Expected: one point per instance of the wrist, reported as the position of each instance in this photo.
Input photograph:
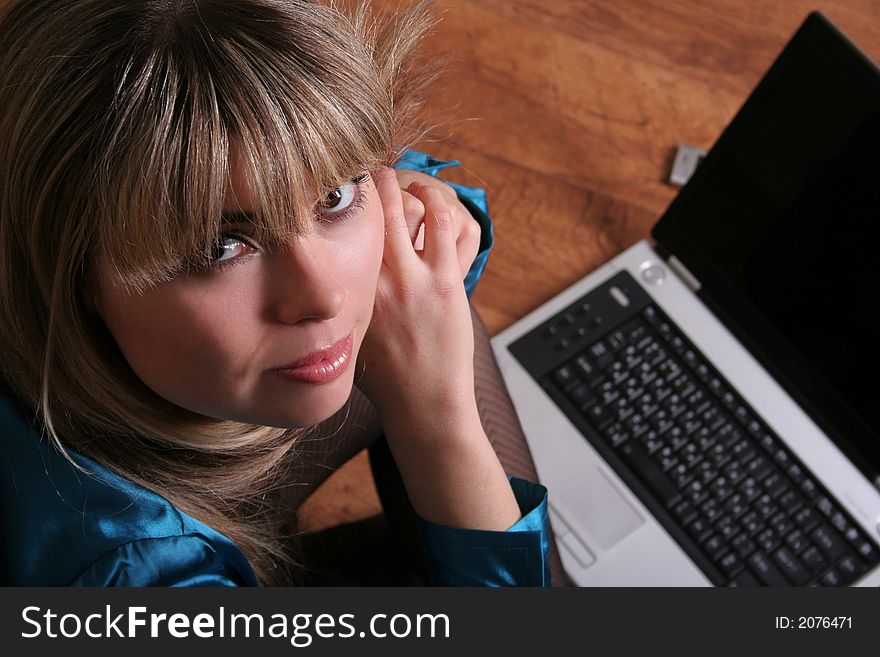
(442, 425)
(453, 477)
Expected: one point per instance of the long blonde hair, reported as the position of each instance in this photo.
(115, 128)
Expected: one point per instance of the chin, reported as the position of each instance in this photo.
(311, 412)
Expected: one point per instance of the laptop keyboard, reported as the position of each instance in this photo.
(721, 483)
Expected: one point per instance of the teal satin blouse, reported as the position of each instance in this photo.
(60, 526)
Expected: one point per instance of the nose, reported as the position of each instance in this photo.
(305, 282)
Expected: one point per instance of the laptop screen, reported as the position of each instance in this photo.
(781, 226)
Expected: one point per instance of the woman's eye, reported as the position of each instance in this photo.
(229, 248)
(339, 199)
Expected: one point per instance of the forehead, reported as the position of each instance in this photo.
(239, 195)
(240, 191)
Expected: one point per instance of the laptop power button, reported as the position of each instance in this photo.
(652, 272)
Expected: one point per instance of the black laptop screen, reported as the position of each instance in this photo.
(781, 224)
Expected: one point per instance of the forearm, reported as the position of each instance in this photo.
(452, 474)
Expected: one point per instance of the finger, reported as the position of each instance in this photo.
(407, 176)
(414, 210)
(440, 252)
(398, 245)
(468, 244)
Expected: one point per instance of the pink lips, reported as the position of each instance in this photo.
(321, 366)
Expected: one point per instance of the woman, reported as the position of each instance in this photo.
(203, 250)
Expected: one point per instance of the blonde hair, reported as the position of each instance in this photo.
(115, 129)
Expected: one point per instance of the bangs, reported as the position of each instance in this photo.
(287, 94)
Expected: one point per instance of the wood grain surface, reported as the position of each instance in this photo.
(568, 112)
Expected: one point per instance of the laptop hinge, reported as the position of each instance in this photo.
(689, 279)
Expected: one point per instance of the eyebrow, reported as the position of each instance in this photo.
(237, 217)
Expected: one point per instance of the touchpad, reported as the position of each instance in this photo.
(591, 502)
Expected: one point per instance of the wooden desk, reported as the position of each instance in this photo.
(569, 112)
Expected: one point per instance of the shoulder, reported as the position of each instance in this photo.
(62, 526)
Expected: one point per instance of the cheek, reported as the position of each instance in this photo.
(361, 257)
(172, 339)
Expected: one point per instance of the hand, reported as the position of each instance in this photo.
(466, 228)
(417, 356)
(418, 362)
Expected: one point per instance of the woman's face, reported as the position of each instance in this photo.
(222, 342)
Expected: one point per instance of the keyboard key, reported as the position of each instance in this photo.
(728, 399)
(758, 468)
(704, 373)
(791, 566)
(587, 370)
(565, 376)
(685, 512)
(825, 505)
(700, 529)
(851, 567)
(743, 451)
(832, 578)
(678, 344)
(602, 354)
(730, 565)
(810, 488)
(765, 506)
(721, 488)
(653, 443)
(851, 534)
(752, 523)
(766, 539)
(728, 434)
(599, 416)
(714, 546)
(711, 510)
(617, 340)
(634, 331)
(782, 458)
(648, 471)
(667, 463)
(790, 501)
(748, 488)
(781, 524)
(736, 505)
(867, 551)
(797, 541)
(806, 518)
(768, 443)
(839, 522)
(743, 545)
(616, 435)
(814, 560)
(712, 418)
(681, 476)
(733, 471)
(754, 427)
(716, 386)
(741, 413)
(775, 484)
(582, 396)
(766, 571)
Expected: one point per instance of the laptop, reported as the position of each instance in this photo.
(705, 408)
